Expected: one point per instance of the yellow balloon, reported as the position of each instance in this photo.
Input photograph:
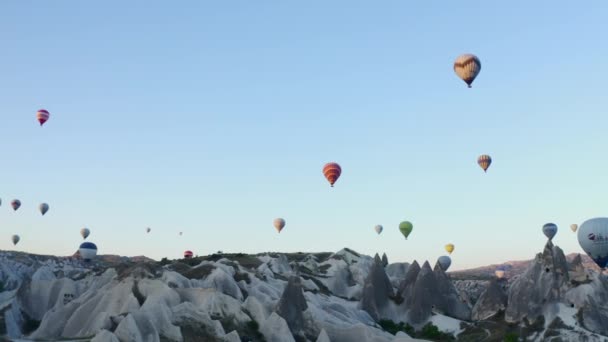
(449, 248)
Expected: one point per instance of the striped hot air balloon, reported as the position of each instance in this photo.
(188, 254)
(484, 161)
(42, 115)
(332, 172)
(16, 204)
(467, 67)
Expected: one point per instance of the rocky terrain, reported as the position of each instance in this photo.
(342, 296)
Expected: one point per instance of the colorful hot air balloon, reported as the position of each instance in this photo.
(467, 67)
(148, 230)
(15, 204)
(188, 254)
(42, 115)
(85, 232)
(43, 208)
(593, 238)
(15, 238)
(406, 228)
(484, 161)
(444, 262)
(332, 172)
(88, 251)
(449, 248)
(378, 229)
(574, 227)
(550, 229)
(278, 224)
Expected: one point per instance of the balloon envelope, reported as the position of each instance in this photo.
(332, 172)
(550, 229)
(148, 230)
(593, 238)
(467, 67)
(484, 162)
(278, 224)
(42, 115)
(188, 254)
(85, 232)
(499, 273)
(15, 204)
(406, 228)
(15, 238)
(444, 262)
(378, 229)
(43, 208)
(574, 227)
(88, 250)
(449, 248)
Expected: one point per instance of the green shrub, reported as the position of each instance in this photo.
(511, 337)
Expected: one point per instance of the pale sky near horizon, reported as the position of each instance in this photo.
(215, 117)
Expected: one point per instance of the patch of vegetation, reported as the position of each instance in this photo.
(429, 331)
(394, 328)
(138, 295)
(238, 276)
(199, 272)
(252, 329)
(511, 337)
(323, 268)
(164, 261)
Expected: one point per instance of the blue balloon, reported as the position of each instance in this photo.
(87, 250)
(593, 238)
(550, 229)
(444, 262)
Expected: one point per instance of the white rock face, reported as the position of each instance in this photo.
(178, 302)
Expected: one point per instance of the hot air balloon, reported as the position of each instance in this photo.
(593, 238)
(0, 201)
(449, 248)
(550, 229)
(15, 204)
(484, 161)
(43, 208)
(378, 229)
(467, 67)
(148, 230)
(180, 233)
(279, 224)
(188, 254)
(88, 251)
(500, 273)
(15, 239)
(574, 227)
(406, 228)
(444, 262)
(332, 172)
(42, 115)
(85, 232)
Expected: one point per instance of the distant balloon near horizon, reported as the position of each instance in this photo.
(550, 229)
(16, 204)
(574, 227)
(279, 224)
(444, 262)
(43, 208)
(332, 172)
(593, 239)
(43, 116)
(484, 161)
(406, 228)
(188, 254)
(88, 251)
(449, 248)
(180, 233)
(467, 67)
(148, 230)
(15, 238)
(84, 232)
(499, 273)
(378, 228)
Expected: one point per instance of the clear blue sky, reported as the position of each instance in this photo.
(215, 117)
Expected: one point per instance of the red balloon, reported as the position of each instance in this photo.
(188, 254)
(332, 172)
